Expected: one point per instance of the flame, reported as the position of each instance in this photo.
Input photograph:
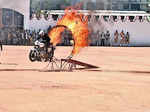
(77, 23)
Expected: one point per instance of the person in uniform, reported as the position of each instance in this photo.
(122, 38)
(44, 38)
(116, 35)
(107, 36)
(127, 38)
(102, 39)
(1, 45)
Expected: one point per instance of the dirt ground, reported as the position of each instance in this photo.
(121, 84)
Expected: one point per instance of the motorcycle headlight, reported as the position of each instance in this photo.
(36, 42)
(41, 44)
(36, 47)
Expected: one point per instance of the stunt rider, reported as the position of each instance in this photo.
(44, 38)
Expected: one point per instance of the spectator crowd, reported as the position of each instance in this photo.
(28, 37)
(108, 39)
(18, 37)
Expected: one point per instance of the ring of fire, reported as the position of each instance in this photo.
(77, 23)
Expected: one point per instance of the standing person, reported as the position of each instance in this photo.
(102, 39)
(127, 38)
(26, 38)
(1, 45)
(11, 38)
(107, 35)
(70, 38)
(122, 37)
(64, 37)
(8, 38)
(116, 35)
(97, 38)
(22, 38)
(49, 28)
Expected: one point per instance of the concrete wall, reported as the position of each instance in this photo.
(22, 6)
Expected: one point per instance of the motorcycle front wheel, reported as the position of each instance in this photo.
(32, 56)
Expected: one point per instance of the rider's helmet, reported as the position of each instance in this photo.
(41, 32)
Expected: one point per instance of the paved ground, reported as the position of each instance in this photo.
(121, 84)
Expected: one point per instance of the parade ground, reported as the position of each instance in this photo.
(120, 84)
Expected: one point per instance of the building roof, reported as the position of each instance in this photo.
(104, 12)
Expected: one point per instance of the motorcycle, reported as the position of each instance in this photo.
(41, 53)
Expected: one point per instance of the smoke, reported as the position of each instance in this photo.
(95, 23)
